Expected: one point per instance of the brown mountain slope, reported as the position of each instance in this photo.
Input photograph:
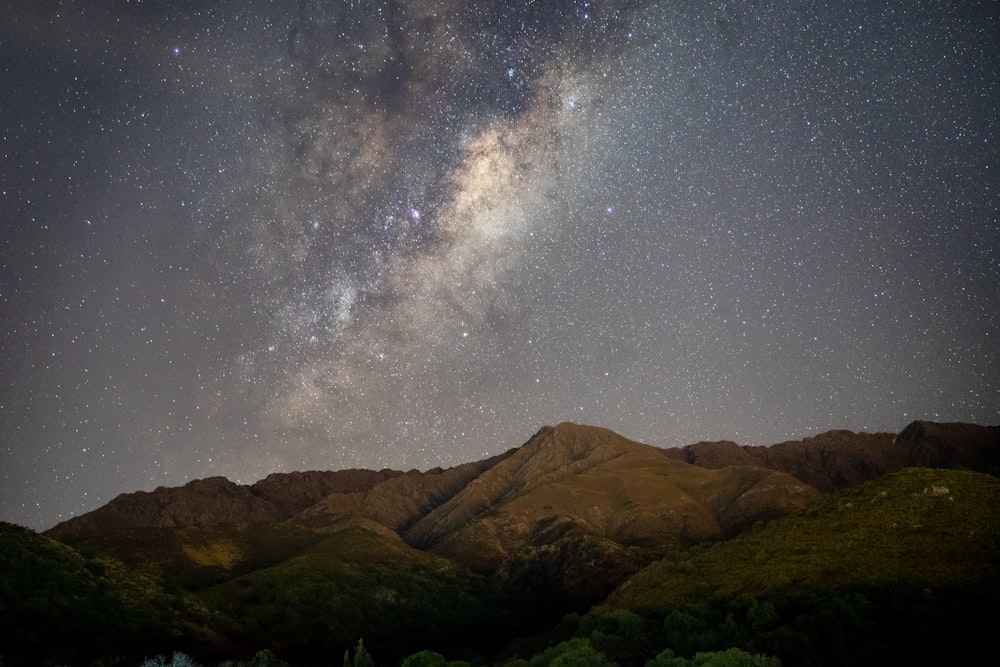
(398, 501)
(828, 461)
(217, 500)
(839, 459)
(211, 529)
(575, 509)
(586, 484)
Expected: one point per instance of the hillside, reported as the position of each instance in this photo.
(96, 605)
(903, 568)
(861, 536)
(359, 582)
(828, 461)
(807, 550)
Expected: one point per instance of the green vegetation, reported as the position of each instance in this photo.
(57, 605)
(198, 556)
(179, 659)
(360, 583)
(733, 657)
(919, 527)
(361, 656)
(907, 566)
(430, 659)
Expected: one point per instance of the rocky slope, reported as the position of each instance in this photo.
(278, 497)
(578, 509)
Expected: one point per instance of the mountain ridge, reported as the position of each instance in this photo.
(306, 562)
(401, 500)
(574, 511)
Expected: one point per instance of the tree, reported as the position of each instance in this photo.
(732, 657)
(179, 659)
(576, 652)
(425, 659)
(361, 656)
(265, 658)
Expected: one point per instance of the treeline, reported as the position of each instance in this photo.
(888, 624)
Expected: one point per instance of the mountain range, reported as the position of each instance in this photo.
(471, 558)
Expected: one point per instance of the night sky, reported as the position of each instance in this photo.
(241, 238)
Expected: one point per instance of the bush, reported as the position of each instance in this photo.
(573, 653)
(177, 660)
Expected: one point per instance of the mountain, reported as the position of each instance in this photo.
(578, 508)
(218, 500)
(574, 511)
(838, 459)
(466, 558)
(398, 500)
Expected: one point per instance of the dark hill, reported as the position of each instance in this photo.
(935, 445)
(574, 511)
(571, 495)
(59, 606)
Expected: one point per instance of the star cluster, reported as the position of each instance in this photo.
(257, 237)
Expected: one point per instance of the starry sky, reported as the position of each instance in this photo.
(239, 238)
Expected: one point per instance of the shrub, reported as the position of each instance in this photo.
(177, 660)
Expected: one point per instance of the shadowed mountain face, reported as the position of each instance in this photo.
(574, 511)
(933, 445)
(829, 461)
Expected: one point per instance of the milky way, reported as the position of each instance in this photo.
(257, 237)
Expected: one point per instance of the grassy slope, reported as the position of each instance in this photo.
(906, 567)
(920, 526)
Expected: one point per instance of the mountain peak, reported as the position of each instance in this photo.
(569, 448)
(573, 485)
